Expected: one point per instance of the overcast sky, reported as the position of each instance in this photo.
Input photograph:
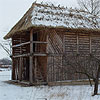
(12, 10)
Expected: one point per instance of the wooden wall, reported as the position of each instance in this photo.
(23, 58)
(61, 44)
(20, 64)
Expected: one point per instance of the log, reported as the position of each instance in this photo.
(31, 59)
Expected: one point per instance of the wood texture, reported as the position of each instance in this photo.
(43, 54)
(31, 58)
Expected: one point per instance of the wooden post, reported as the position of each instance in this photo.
(13, 66)
(90, 45)
(31, 58)
(20, 63)
(13, 70)
(20, 69)
(35, 69)
(64, 44)
(77, 43)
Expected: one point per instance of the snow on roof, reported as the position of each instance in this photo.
(55, 16)
(59, 16)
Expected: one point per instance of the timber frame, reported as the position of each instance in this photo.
(39, 55)
(24, 52)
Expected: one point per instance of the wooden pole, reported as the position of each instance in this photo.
(90, 45)
(31, 58)
(13, 66)
(13, 70)
(20, 63)
(35, 69)
(77, 43)
(20, 69)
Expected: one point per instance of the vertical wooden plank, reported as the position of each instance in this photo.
(20, 69)
(35, 68)
(62, 72)
(90, 45)
(20, 62)
(53, 72)
(63, 43)
(31, 58)
(47, 60)
(48, 69)
(13, 69)
(77, 43)
(13, 65)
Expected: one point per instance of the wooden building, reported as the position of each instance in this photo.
(46, 33)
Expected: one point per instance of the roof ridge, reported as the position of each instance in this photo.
(34, 3)
(49, 5)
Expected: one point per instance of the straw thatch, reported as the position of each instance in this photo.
(44, 15)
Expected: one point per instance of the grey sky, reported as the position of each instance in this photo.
(12, 10)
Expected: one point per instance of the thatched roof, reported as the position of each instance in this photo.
(51, 16)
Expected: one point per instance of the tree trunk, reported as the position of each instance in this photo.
(96, 87)
(96, 82)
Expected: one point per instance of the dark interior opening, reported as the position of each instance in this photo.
(35, 38)
(27, 68)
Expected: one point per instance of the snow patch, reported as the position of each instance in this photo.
(13, 92)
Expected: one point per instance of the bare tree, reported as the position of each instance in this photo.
(88, 65)
(91, 6)
(6, 61)
(6, 46)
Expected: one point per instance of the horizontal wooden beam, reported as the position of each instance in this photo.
(18, 45)
(23, 55)
(22, 44)
(34, 54)
(39, 54)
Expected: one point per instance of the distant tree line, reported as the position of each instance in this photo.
(5, 61)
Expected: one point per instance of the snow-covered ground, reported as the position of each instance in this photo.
(13, 92)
